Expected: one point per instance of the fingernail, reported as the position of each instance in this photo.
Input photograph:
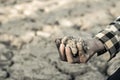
(69, 55)
(62, 51)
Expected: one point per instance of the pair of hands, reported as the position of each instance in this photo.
(74, 50)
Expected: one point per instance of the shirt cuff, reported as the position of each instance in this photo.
(109, 37)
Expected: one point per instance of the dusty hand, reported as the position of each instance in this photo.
(74, 50)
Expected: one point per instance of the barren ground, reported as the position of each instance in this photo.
(31, 26)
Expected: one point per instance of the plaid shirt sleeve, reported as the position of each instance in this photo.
(110, 37)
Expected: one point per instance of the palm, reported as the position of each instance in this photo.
(73, 50)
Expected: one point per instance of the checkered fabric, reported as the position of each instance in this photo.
(110, 37)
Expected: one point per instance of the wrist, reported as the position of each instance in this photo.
(99, 45)
(95, 45)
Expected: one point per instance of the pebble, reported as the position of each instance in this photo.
(65, 23)
(42, 34)
(3, 74)
(28, 37)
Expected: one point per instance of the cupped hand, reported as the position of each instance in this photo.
(74, 50)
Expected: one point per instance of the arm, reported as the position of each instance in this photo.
(110, 37)
(106, 40)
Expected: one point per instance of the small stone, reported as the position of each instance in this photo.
(3, 74)
(17, 43)
(48, 29)
(43, 34)
(11, 40)
(65, 23)
(28, 37)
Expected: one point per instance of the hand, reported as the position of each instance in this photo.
(75, 50)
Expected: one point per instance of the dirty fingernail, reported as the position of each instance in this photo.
(69, 55)
(62, 51)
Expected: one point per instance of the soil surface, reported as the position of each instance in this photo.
(28, 28)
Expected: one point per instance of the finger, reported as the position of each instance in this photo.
(76, 59)
(68, 54)
(62, 52)
(61, 49)
(58, 42)
(64, 40)
(90, 56)
(83, 59)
